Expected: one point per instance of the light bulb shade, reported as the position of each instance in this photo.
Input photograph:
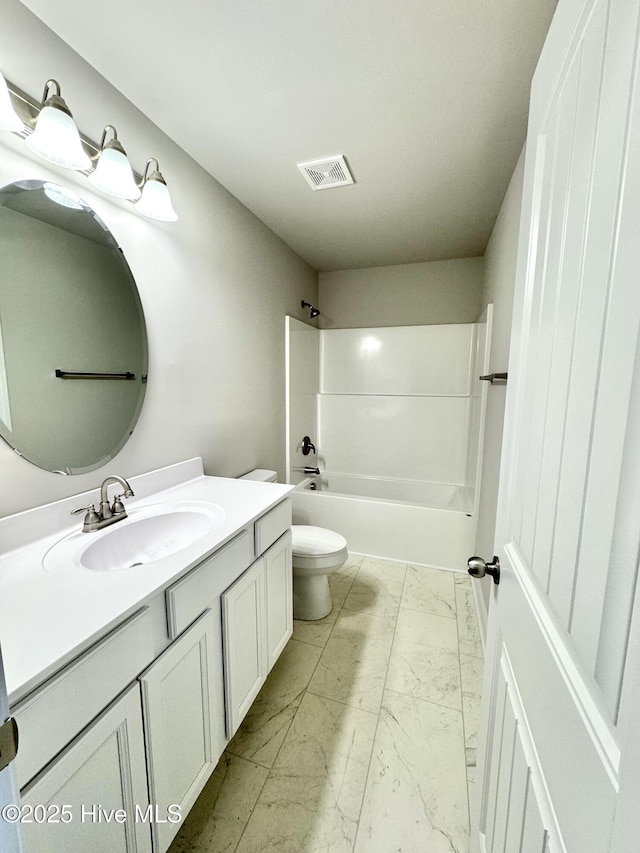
(155, 201)
(113, 174)
(57, 140)
(9, 118)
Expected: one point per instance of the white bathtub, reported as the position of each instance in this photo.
(415, 522)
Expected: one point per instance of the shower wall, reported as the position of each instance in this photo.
(302, 386)
(399, 402)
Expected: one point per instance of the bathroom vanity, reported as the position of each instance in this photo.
(126, 685)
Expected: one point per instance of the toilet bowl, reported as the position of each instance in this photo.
(316, 553)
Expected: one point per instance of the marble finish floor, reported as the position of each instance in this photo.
(363, 737)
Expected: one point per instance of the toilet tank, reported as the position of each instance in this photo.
(261, 474)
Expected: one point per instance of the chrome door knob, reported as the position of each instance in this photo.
(478, 568)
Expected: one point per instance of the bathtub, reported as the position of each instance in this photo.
(415, 522)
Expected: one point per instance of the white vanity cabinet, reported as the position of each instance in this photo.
(181, 691)
(89, 796)
(183, 708)
(257, 618)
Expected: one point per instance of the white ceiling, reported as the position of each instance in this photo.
(427, 99)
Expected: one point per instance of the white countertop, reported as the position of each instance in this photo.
(46, 618)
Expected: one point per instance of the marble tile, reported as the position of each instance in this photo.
(462, 578)
(339, 587)
(424, 658)
(416, 795)
(377, 588)
(312, 798)
(471, 672)
(261, 734)
(317, 631)
(220, 814)
(353, 665)
(350, 568)
(390, 570)
(426, 628)
(430, 591)
(468, 633)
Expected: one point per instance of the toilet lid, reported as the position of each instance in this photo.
(311, 541)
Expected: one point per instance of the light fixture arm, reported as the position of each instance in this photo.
(55, 100)
(109, 127)
(155, 175)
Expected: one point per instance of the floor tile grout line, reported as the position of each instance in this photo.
(275, 759)
(375, 734)
(464, 723)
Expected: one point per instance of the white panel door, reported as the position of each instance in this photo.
(559, 764)
(560, 767)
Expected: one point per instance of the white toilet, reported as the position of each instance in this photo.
(316, 552)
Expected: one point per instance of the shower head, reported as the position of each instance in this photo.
(313, 312)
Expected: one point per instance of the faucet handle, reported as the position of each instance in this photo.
(91, 519)
(117, 508)
(88, 509)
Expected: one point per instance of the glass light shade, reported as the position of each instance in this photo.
(9, 118)
(155, 201)
(113, 174)
(57, 140)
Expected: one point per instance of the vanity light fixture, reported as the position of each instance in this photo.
(56, 136)
(113, 173)
(48, 129)
(155, 201)
(9, 118)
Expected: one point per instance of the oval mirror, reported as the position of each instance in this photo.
(73, 344)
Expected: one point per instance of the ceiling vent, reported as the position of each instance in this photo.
(327, 173)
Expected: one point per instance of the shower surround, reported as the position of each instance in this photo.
(396, 414)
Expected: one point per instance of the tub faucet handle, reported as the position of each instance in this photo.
(307, 446)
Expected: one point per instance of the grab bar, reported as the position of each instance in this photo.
(75, 374)
(495, 377)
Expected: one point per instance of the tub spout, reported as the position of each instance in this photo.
(308, 470)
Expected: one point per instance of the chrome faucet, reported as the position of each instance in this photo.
(108, 513)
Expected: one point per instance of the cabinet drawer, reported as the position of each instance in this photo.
(272, 525)
(191, 595)
(52, 716)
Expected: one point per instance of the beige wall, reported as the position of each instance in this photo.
(215, 288)
(403, 295)
(500, 268)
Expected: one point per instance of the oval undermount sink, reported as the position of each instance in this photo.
(147, 534)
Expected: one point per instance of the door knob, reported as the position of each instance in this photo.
(478, 568)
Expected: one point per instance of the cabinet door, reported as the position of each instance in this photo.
(183, 706)
(244, 643)
(100, 779)
(279, 593)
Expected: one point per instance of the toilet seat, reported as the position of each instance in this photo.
(317, 547)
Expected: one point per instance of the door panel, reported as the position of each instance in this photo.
(563, 636)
